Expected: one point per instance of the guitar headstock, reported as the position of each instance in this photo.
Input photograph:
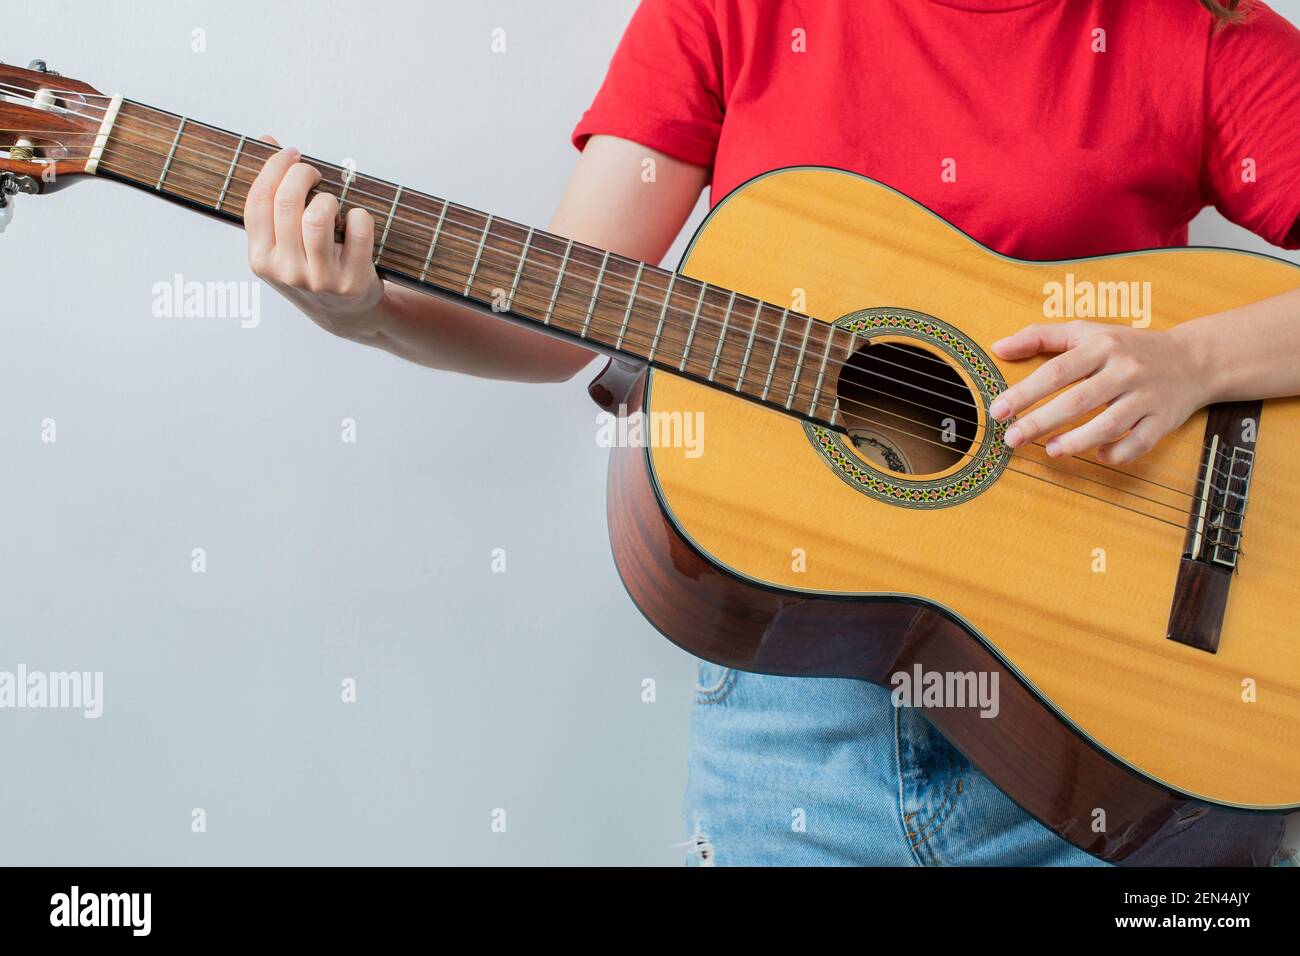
(48, 125)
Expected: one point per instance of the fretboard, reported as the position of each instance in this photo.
(612, 303)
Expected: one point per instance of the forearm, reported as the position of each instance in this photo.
(609, 204)
(442, 334)
(1251, 352)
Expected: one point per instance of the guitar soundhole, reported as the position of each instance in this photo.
(907, 409)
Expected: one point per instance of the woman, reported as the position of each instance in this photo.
(1045, 129)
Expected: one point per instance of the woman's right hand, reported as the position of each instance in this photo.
(291, 246)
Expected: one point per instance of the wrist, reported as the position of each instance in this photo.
(369, 325)
(364, 323)
(1206, 375)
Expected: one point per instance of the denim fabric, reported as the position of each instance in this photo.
(820, 772)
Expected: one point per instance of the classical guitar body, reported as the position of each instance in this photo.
(1148, 667)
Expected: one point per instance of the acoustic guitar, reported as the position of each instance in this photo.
(854, 510)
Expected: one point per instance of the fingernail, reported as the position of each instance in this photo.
(998, 409)
(1053, 448)
(1012, 437)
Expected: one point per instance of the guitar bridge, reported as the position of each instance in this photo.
(1220, 513)
(1212, 548)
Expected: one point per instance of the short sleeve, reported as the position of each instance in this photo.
(664, 87)
(1251, 165)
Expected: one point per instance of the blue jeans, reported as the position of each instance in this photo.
(819, 772)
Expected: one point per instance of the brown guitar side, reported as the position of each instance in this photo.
(1050, 770)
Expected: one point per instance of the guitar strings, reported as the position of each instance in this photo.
(968, 455)
(379, 213)
(28, 96)
(976, 424)
(633, 333)
(193, 128)
(491, 244)
(757, 312)
(948, 447)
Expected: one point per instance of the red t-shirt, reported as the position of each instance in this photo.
(1043, 128)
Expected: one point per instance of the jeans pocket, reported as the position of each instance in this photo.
(713, 683)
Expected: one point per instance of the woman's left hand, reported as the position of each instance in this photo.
(1145, 383)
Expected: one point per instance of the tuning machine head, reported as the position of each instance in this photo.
(11, 184)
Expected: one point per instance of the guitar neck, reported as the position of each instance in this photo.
(609, 302)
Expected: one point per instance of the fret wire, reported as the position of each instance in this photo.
(243, 147)
(437, 230)
(171, 154)
(776, 353)
(230, 175)
(722, 336)
(749, 346)
(478, 255)
(555, 291)
(631, 300)
(387, 225)
(596, 292)
(690, 335)
(663, 314)
(523, 257)
(349, 176)
(821, 374)
(776, 349)
(798, 368)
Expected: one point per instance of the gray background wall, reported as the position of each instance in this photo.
(326, 560)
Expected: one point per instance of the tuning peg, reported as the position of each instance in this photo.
(38, 66)
(12, 185)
